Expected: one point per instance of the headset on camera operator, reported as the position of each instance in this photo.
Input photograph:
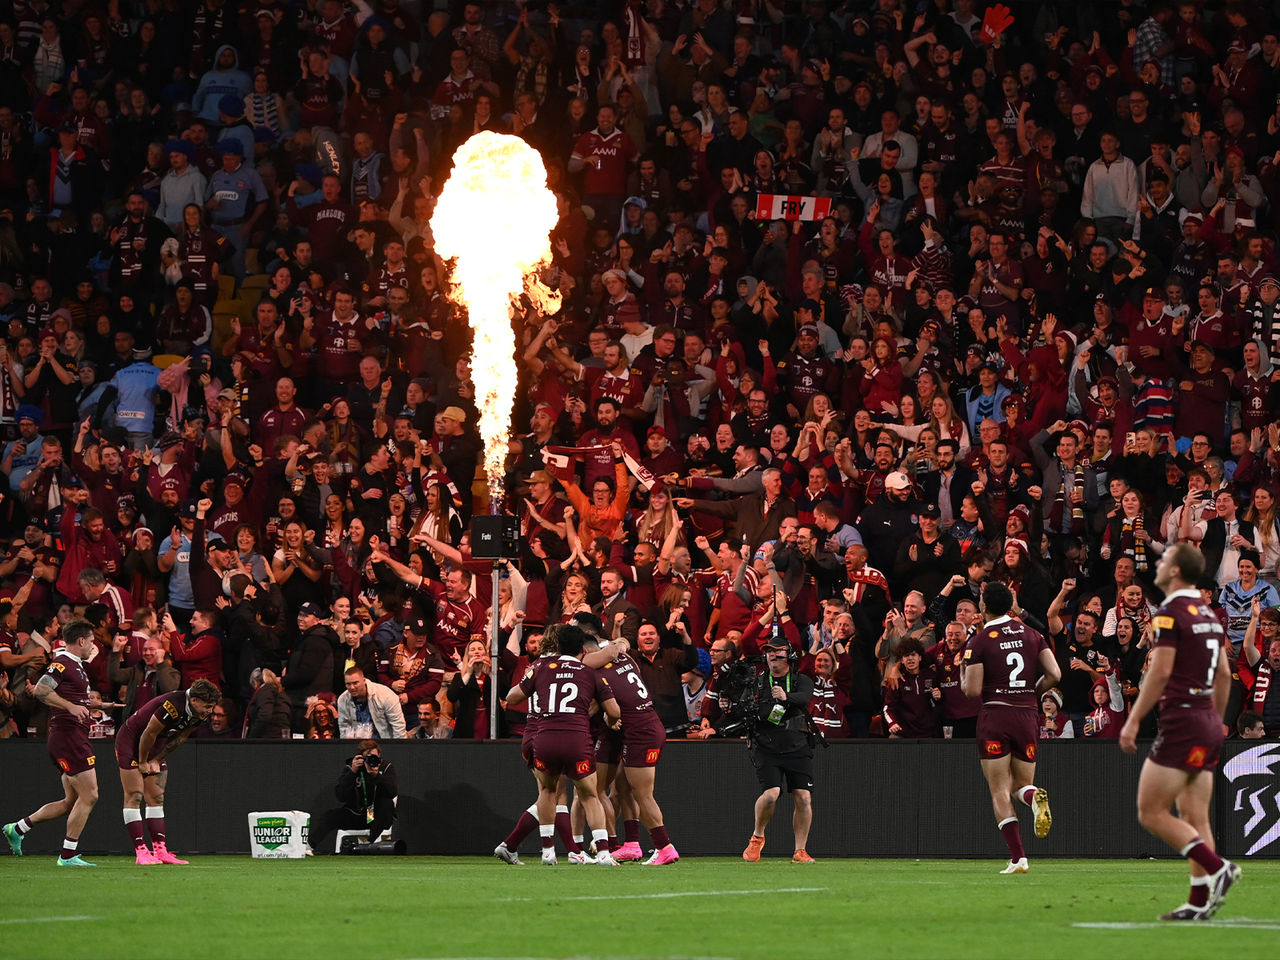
(774, 705)
(367, 790)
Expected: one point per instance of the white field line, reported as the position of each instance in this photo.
(672, 896)
(47, 919)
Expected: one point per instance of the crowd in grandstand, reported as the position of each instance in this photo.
(1031, 343)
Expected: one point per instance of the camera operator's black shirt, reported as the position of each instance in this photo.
(361, 791)
(792, 734)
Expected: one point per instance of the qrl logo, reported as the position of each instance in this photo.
(1031, 752)
(1195, 758)
(1259, 796)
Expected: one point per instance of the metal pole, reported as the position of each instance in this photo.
(494, 656)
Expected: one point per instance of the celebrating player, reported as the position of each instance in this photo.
(642, 739)
(507, 850)
(64, 689)
(1000, 666)
(153, 732)
(560, 689)
(1190, 678)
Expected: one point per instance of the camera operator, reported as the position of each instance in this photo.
(367, 790)
(781, 747)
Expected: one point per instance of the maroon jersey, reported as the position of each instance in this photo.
(615, 151)
(1185, 623)
(176, 718)
(455, 622)
(71, 683)
(623, 679)
(1009, 652)
(340, 348)
(560, 691)
(275, 423)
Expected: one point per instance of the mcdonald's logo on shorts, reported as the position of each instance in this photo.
(651, 756)
(993, 747)
(539, 764)
(584, 766)
(66, 767)
(1196, 757)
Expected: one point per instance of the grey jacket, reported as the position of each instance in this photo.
(384, 709)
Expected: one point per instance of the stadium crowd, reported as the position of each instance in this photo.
(1030, 344)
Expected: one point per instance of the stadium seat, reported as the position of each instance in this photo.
(252, 261)
(226, 286)
(255, 282)
(166, 360)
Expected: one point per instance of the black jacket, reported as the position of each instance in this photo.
(1214, 543)
(269, 715)
(310, 670)
(358, 792)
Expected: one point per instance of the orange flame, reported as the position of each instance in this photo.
(494, 219)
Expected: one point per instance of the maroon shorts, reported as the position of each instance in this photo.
(127, 756)
(526, 745)
(69, 749)
(1188, 738)
(643, 740)
(608, 747)
(567, 753)
(1008, 730)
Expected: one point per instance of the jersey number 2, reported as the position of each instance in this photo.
(1014, 660)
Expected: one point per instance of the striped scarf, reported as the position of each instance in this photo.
(264, 111)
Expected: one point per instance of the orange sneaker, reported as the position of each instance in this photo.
(801, 856)
(754, 846)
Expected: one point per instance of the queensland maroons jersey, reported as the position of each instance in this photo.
(1009, 652)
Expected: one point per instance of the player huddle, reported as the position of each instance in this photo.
(591, 723)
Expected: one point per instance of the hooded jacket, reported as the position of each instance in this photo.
(215, 84)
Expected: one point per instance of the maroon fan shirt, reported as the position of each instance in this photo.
(1009, 652)
(560, 691)
(455, 622)
(1185, 623)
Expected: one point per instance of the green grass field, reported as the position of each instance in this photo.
(224, 908)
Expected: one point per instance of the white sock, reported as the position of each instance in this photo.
(1026, 794)
(155, 813)
(132, 814)
(533, 810)
(601, 839)
(577, 838)
(546, 829)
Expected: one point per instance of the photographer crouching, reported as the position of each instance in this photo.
(367, 790)
(781, 746)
